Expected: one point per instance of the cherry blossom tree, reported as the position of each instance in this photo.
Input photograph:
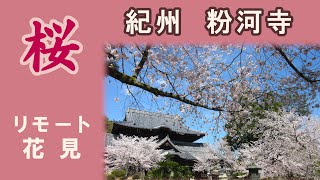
(224, 156)
(230, 158)
(289, 146)
(216, 79)
(232, 79)
(133, 153)
(205, 165)
(241, 127)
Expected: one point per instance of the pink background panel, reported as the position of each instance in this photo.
(59, 96)
(305, 27)
(63, 97)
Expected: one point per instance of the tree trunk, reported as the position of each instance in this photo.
(127, 169)
(142, 175)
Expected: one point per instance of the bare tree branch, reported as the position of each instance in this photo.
(133, 81)
(286, 58)
(135, 99)
(141, 63)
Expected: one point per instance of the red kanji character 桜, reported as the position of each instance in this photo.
(49, 47)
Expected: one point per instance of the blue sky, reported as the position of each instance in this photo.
(115, 110)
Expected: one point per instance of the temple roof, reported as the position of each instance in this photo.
(190, 151)
(179, 152)
(151, 120)
(185, 150)
(198, 150)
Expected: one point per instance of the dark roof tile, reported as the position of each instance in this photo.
(152, 120)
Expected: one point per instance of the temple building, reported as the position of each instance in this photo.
(174, 137)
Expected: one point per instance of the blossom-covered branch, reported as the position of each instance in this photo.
(197, 79)
(286, 58)
(133, 81)
(131, 152)
(289, 147)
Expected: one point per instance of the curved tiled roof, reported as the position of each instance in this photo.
(189, 151)
(198, 150)
(150, 120)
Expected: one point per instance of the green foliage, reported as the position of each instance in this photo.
(238, 173)
(317, 169)
(136, 176)
(119, 173)
(245, 129)
(108, 125)
(110, 177)
(169, 169)
(299, 102)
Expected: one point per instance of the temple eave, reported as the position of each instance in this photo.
(185, 136)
